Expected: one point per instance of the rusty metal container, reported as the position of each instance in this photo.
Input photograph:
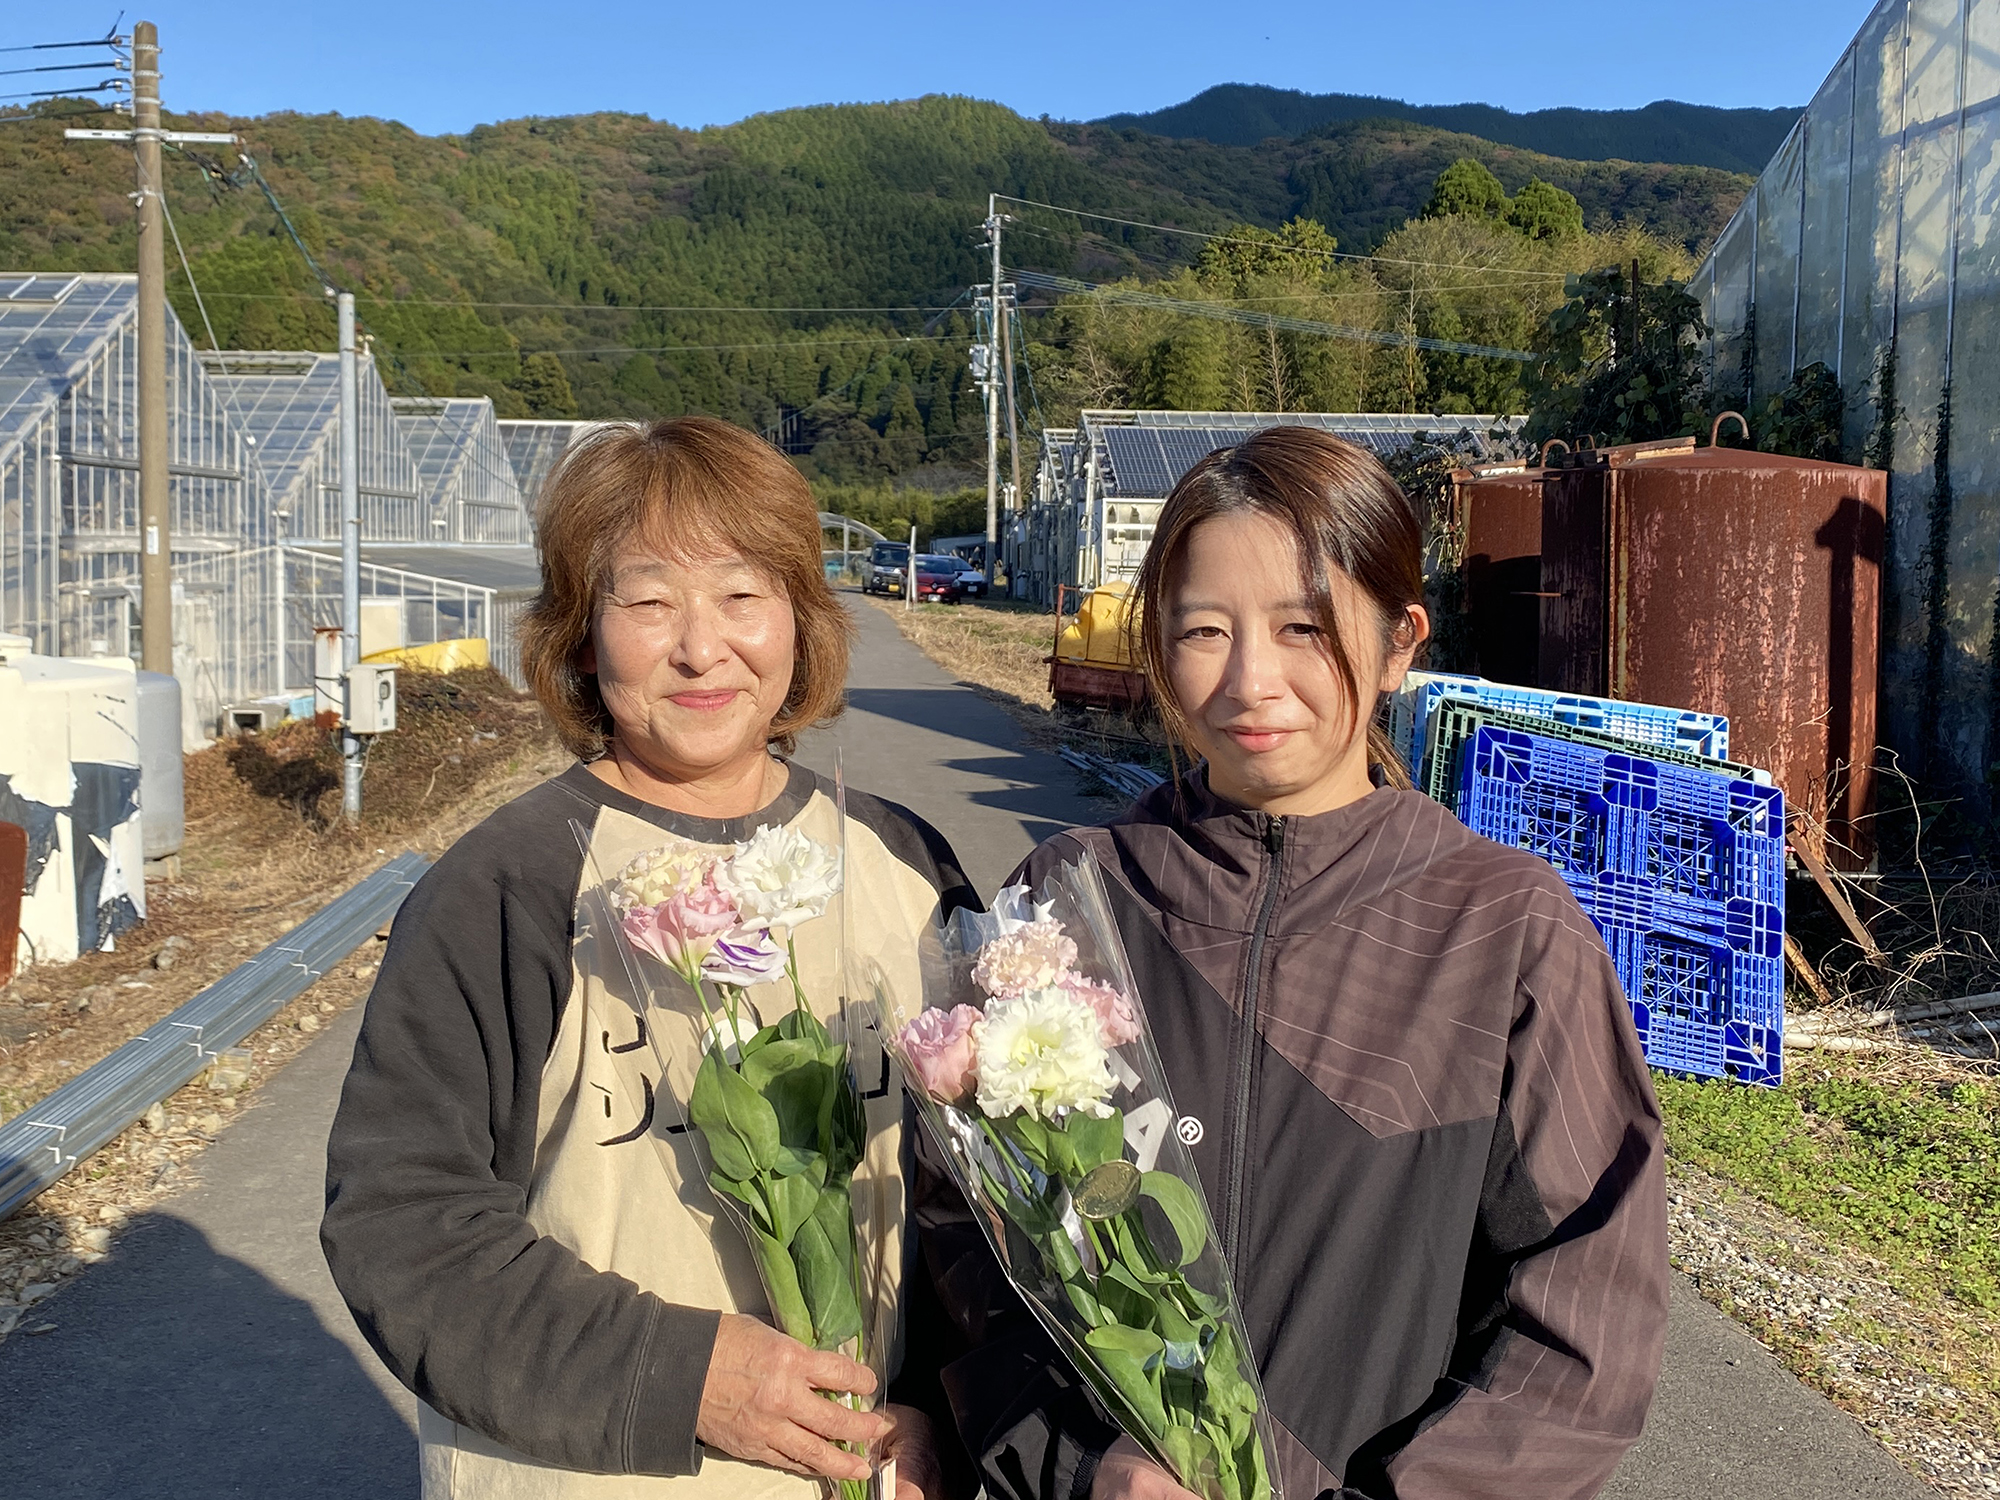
(1499, 516)
(1732, 582)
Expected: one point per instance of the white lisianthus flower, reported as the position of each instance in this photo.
(661, 874)
(1040, 1054)
(780, 878)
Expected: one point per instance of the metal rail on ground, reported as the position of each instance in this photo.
(43, 1142)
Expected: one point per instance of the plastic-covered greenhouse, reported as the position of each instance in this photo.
(1871, 244)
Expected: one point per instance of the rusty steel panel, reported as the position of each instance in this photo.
(1500, 516)
(1576, 567)
(13, 885)
(1748, 584)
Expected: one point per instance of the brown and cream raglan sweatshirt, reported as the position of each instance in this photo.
(514, 1212)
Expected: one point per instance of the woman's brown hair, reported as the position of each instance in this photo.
(685, 486)
(1343, 510)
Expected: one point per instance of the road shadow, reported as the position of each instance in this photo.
(191, 1376)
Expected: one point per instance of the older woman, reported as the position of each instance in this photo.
(513, 1213)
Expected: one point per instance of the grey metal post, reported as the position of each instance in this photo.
(350, 551)
(156, 555)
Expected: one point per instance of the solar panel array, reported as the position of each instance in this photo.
(1145, 458)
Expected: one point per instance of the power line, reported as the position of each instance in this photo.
(109, 39)
(570, 307)
(1229, 239)
(887, 338)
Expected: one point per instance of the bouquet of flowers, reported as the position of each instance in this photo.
(1037, 1075)
(775, 1107)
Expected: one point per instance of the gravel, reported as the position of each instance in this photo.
(1828, 1314)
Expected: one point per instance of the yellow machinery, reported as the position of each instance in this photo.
(439, 656)
(1096, 660)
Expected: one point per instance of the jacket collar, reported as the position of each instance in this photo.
(1237, 837)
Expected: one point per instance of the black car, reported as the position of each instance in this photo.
(888, 566)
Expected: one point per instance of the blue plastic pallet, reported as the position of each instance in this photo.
(1411, 708)
(1682, 870)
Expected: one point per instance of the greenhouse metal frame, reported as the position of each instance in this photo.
(288, 405)
(470, 492)
(69, 492)
(1871, 245)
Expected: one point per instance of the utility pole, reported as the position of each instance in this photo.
(993, 222)
(156, 546)
(1013, 419)
(350, 556)
(156, 557)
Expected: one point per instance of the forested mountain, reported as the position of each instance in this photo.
(797, 267)
(1696, 135)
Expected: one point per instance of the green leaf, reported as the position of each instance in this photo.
(824, 1253)
(798, 1094)
(774, 1058)
(803, 1026)
(1031, 1135)
(792, 1201)
(1184, 1211)
(781, 1286)
(800, 1161)
(1096, 1141)
(745, 1194)
(1126, 1298)
(1191, 1456)
(757, 1043)
(738, 1127)
(1130, 1358)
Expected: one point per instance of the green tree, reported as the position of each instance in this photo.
(545, 387)
(1806, 419)
(1467, 187)
(1620, 367)
(1543, 211)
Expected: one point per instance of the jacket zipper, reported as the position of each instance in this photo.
(1246, 1052)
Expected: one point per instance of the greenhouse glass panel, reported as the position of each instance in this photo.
(1729, 303)
(1982, 53)
(1829, 129)
(1777, 269)
(290, 405)
(434, 609)
(470, 491)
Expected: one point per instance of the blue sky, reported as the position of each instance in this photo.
(447, 66)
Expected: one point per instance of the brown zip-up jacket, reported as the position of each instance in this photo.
(1427, 1137)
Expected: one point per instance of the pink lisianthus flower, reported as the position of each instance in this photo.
(1117, 1021)
(681, 931)
(940, 1049)
(1033, 956)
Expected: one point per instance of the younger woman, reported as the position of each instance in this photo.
(1400, 1052)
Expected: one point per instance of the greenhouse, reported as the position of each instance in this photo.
(469, 489)
(533, 448)
(1870, 246)
(288, 405)
(1099, 488)
(69, 493)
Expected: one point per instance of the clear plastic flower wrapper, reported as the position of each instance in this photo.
(758, 1073)
(1037, 1074)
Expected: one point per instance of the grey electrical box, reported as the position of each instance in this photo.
(371, 698)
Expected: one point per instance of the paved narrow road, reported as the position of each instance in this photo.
(211, 1357)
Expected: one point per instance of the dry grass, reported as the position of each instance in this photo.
(997, 646)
